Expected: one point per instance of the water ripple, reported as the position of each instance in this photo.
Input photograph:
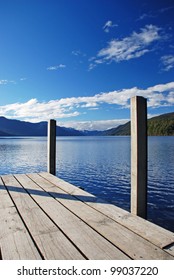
(101, 165)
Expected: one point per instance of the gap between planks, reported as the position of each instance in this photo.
(86, 239)
(49, 239)
(153, 233)
(90, 242)
(13, 232)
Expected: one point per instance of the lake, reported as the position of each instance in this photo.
(100, 165)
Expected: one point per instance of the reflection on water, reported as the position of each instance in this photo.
(161, 181)
(101, 165)
(20, 155)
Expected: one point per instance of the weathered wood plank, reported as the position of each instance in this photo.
(153, 233)
(86, 239)
(50, 240)
(15, 240)
(129, 242)
(90, 214)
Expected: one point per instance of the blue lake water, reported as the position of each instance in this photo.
(101, 165)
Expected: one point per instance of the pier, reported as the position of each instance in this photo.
(44, 217)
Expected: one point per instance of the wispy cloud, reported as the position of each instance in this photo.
(23, 79)
(8, 82)
(78, 53)
(154, 14)
(56, 67)
(158, 96)
(5, 82)
(133, 46)
(168, 62)
(79, 57)
(108, 25)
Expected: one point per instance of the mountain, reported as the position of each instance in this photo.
(121, 130)
(2, 133)
(92, 133)
(162, 125)
(64, 131)
(20, 128)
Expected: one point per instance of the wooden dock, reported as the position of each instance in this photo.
(44, 217)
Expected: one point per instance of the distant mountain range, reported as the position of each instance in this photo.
(160, 125)
(10, 127)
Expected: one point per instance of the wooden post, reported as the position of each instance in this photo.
(139, 156)
(51, 167)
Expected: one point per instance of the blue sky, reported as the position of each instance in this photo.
(80, 61)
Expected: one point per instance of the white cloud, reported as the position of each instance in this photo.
(94, 125)
(155, 14)
(89, 105)
(35, 111)
(162, 87)
(56, 67)
(5, 82)
(158, 96)
(78, 53)
(149, 116)
(134, 46)
(108, 25)
(168, 62)
(23, 79)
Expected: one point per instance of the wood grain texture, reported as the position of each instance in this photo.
(41, 228)
(15, 240)
(132, 244)
(42, 216)
(91, 243)
(149, 231)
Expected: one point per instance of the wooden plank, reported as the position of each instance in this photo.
(151, 232)
(86, 239)
(42, 229)
(129, 242)
(15, 240)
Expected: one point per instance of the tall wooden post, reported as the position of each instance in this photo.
(139, 156)
(51, 160)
